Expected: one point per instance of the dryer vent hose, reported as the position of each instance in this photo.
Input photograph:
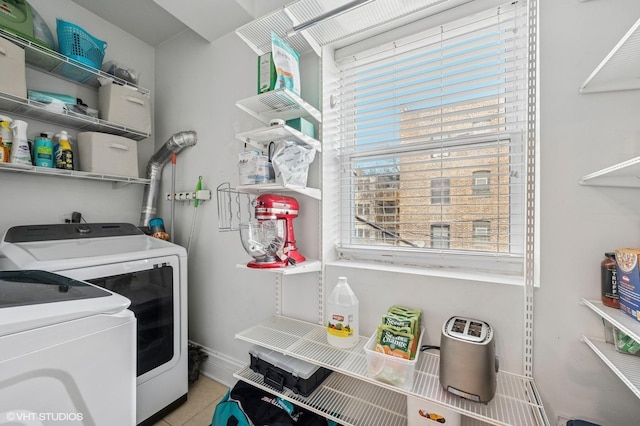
(154, 171)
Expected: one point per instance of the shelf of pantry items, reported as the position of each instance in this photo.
(309, 265)
(35, 110)
(517, 401)
(616, 317)
(259, 138)
(52, 62)
(278, 104)
(622, 175)
(260, 188)
(620, 69)
(625, 366)
(76, 174)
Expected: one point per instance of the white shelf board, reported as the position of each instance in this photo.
(620, 69)
(20, 168)
(616, 317)
(261, 188)
(262, 136)
(517, 401)
(309, 265)
(281, 104)
(625, 366)
(622, 175)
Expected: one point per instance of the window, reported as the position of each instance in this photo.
(440, 191)
(481, 232)
(423, 126)
(481, 182)
(440, 236)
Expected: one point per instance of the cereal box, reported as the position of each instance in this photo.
(628, 281)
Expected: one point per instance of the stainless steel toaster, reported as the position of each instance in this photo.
(468, 362)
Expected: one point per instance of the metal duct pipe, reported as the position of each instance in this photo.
(154, 171)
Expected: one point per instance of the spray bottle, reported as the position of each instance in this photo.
(20, 153)
(63, 152)
(343, 329)
(5, 132)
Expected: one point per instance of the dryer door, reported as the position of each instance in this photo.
(153, 286)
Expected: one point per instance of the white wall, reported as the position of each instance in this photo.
(30, 199)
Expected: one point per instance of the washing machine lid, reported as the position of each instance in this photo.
(59, 247)
(33, 298)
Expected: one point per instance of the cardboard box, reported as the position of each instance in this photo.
(628, 281)
(13, 81)
(303, 126)
(108, 154)
(126, 106)
(266, 73)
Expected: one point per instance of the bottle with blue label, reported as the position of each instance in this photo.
(43, 151)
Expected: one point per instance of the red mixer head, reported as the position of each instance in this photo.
(274, 207)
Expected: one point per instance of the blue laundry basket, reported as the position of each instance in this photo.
(76, 43)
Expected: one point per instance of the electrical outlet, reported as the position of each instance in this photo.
(64, 218)
(562, 421)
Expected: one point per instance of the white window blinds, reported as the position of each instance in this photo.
(432, 143)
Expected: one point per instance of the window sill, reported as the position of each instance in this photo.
(442, 273)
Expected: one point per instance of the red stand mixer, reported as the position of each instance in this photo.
(274, 214)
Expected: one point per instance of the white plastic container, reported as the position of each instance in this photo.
(20, 152)
(343, 329)
(108, 154)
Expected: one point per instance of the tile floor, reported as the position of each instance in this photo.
(202, 398)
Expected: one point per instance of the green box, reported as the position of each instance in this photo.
(302, 125)
(266, 73)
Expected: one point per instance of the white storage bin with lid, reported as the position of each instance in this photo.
(13, 79)
(108, 154)
(126, 106)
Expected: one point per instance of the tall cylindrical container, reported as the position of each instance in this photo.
(343, 329)
(20, 153)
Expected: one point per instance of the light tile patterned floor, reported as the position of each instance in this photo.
(202, 398)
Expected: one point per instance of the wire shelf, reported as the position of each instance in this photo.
(21, 168)
(517, 401)
(278, 104)
(35, 110)
(625, 366)
(258, 138)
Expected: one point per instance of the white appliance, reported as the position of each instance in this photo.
(150, 272)
(68, 352)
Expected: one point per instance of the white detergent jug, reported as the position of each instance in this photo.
(20, 153)
(343, 329)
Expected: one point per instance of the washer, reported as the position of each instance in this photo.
(68, 352)
(152, 273)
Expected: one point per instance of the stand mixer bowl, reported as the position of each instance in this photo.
(263, 241)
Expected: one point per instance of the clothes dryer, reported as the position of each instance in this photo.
(68, 352)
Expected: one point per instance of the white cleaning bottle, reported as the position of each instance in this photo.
(20, 153)
(342, 316)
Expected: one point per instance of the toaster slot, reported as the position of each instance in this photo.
(458, 325)
(475, 329)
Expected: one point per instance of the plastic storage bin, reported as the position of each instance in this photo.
(76, 43)
(283, 371)
(13, 79)
(126, 106)
(108, 154)
(390, 369)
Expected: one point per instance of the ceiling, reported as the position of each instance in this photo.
(155, 21)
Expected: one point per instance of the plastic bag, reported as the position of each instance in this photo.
(291, 162)
(287, 64)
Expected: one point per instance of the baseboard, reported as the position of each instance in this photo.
(219, 367)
